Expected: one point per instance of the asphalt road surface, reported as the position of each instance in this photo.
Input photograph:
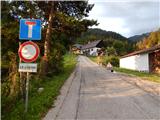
(93, 93)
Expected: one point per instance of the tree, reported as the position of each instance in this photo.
(74, 10)
(59, 17)
(111, 51)
(120, 47)
(152, 40)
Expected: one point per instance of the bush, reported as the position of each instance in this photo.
(56, 59)
(112, 59)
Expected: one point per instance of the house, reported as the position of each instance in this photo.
(143, 60)
(92, 48)
(76, 48)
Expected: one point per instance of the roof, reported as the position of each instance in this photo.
(91, 44)
(148, 50)
(78, 46)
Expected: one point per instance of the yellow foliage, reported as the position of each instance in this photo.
(152, 40)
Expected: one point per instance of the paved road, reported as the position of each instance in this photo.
(93, 93)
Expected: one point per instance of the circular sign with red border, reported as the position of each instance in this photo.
(28, 51)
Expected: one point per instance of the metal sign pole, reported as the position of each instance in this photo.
(27, 90)
(20, 74)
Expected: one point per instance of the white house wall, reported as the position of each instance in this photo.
(93, 51)
(137, 62)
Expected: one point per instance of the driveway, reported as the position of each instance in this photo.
(93, 93)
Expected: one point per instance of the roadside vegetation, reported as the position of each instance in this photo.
(40, 102)
(104, 60)
(93, 58)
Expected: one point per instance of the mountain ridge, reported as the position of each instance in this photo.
(139, 37)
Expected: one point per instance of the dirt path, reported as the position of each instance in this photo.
(93, 93)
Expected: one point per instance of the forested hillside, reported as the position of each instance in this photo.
(113, 41)
(95, 33)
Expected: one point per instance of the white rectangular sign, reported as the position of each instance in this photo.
(27, 67)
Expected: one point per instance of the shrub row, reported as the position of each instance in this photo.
(114, 60)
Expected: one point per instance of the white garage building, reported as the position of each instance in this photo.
(147, 60)
(138, 62)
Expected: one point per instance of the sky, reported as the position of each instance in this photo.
(127, 17)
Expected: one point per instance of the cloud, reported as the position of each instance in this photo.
(127, 17)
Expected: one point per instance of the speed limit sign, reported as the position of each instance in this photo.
(28, 51)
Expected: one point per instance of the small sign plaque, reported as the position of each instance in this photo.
(27, 67)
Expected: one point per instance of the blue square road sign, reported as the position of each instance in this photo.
(30, 29)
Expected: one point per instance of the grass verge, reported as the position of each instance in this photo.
(39, 103)
(146, 76)
(93, 58)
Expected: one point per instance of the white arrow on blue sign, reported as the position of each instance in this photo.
(30, 29)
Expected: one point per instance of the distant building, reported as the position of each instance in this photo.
(143, 60)
(92, 48)
(76, 48)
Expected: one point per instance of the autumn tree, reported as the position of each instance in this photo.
(152, 40)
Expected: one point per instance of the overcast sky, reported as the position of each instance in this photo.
(127, 17)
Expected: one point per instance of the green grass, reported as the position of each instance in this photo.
(146, 76)
(93, 58)
(39, 103)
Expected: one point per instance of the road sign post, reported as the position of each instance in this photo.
(30, 29)
(28, 52)
(27, 91)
